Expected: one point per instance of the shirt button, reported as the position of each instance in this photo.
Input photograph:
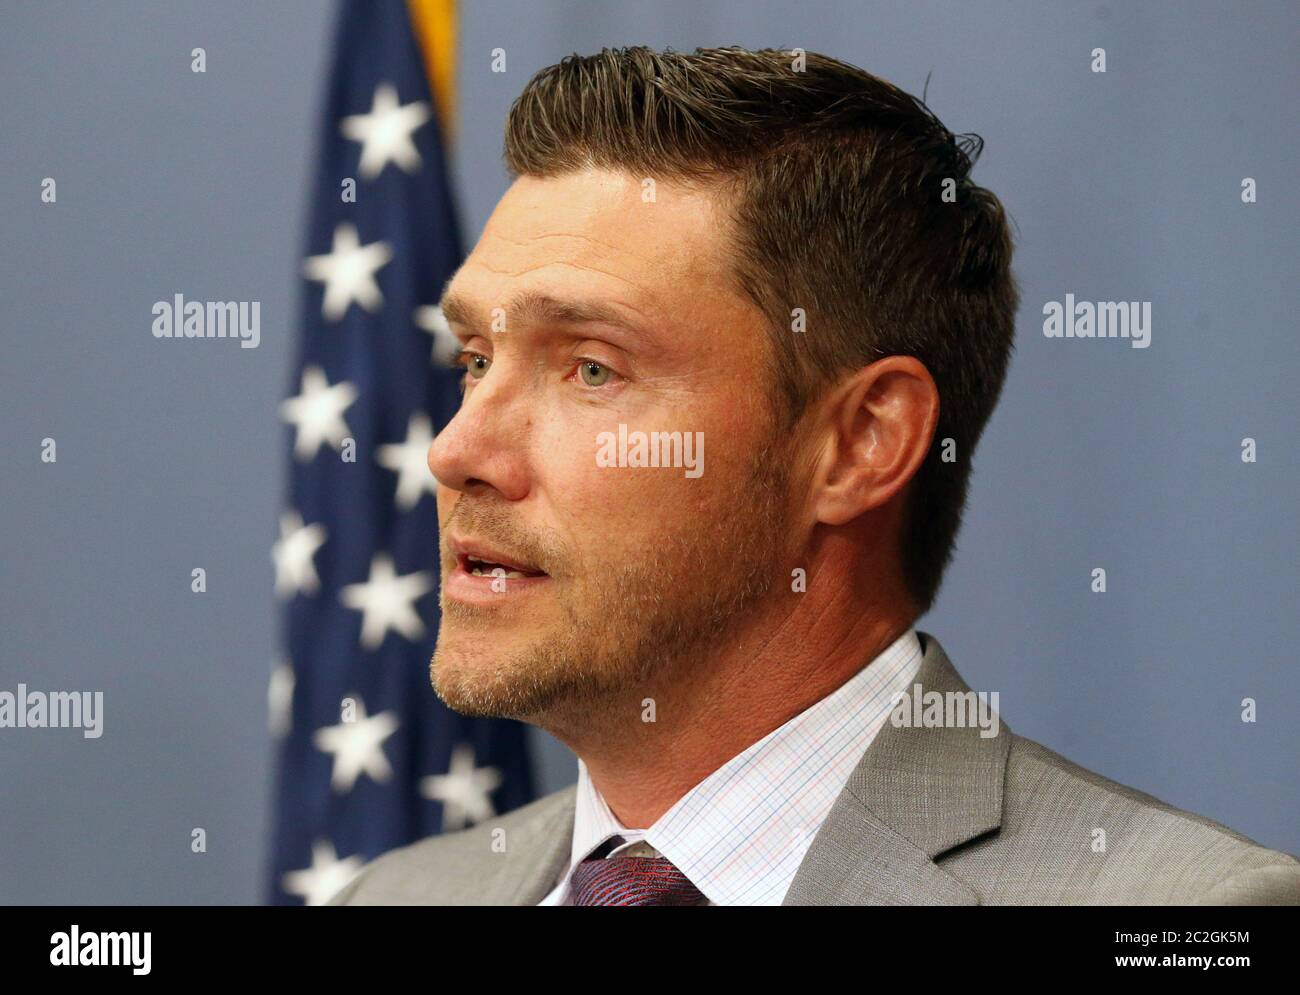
(640, 849)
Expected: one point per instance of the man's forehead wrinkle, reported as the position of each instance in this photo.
(539, 305)
(585, 236)
(640, 260)
(542, 307)
(643, 293)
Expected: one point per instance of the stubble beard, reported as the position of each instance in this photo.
(632, 624)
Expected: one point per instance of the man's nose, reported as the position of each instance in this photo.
(484, 446)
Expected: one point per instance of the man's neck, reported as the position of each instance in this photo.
(671, 733)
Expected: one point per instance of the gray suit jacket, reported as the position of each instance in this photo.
(930, 816)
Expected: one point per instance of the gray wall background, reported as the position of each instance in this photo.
(1124, 186)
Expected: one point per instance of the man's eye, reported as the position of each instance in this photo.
(476, 364)
(593, 374)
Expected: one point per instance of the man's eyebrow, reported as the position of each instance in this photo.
(535, 307)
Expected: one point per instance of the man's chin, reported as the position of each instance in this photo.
(464, 683)
(485, 679)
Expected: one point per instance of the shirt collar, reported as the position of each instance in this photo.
(741, 833)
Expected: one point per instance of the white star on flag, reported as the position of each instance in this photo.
(348, 272)
(326, 876)
(385, 133)
(464, 790)
(387, 601)
(317, 412)
(410, 461)
(446, 347)
(279, 700)
(293, 552)
(358, 747)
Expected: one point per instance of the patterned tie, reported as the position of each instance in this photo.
(632, 881)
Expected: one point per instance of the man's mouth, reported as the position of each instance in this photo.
(488, 576)
(485, 571)
(479, 567)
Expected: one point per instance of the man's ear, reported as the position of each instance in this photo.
(878, 428)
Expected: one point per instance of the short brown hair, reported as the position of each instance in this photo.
(849, 199)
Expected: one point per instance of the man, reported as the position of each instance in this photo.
(730, 339)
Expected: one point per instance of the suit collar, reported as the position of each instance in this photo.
(917, 793)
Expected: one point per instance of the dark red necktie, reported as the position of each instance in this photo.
(632, 881)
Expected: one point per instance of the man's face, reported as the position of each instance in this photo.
(627, 570)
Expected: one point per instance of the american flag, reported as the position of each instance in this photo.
(368, 757)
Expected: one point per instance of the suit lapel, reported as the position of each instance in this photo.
(916, 793)
(535, 854)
